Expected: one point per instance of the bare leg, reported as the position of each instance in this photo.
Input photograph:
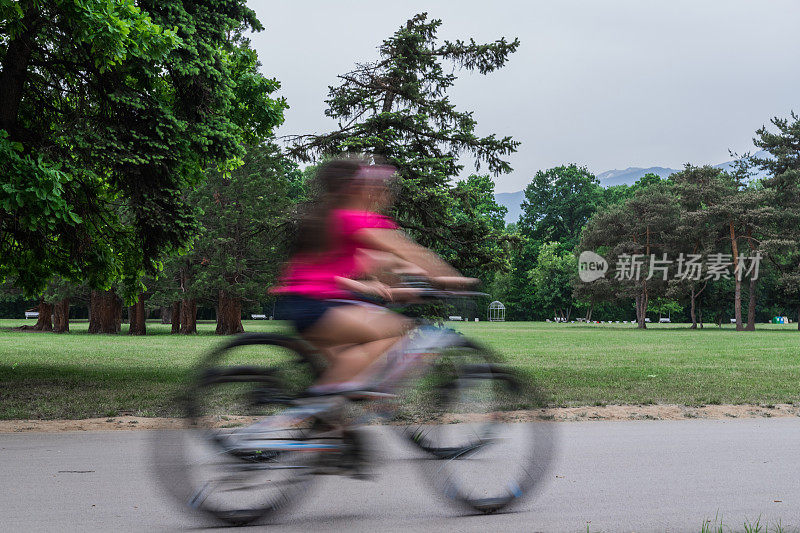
(354, 337)
(354, 360)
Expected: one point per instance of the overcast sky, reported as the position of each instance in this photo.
(605, 84)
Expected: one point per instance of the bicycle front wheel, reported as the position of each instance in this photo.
(488, 433)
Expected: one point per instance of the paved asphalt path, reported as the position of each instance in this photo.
(610, 476)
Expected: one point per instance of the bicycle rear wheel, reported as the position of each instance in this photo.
(223, 462)
(488, 435)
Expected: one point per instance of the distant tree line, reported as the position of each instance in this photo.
(701, 215)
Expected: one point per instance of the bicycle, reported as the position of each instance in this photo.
(240, 461)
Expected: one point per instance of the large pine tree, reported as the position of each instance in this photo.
(397, 109)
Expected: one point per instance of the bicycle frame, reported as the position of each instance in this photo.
(416, 352)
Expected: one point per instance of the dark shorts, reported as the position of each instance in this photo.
(304, 312)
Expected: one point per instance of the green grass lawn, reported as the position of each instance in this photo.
(76, 375)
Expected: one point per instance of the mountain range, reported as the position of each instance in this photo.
(513, 200)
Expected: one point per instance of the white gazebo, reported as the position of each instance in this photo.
(497, 312)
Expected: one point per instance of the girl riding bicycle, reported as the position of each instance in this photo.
(241, 472)
(344, 249)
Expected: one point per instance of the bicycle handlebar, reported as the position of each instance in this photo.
(436, 294)
(426, 290)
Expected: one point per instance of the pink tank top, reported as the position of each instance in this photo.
(314, 275)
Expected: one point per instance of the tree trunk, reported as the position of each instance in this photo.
(229, 314)
(643, 300)
(737, 304)
(692, 310)
(737, 293)
(61, 316)
(105, 312)
(643, 325)
(751, 306)
(188, 319)
(175, 316)
(94, 312)
(700, 312)
(166, 314)
(45, 321)
(117, 306)
(641, 310)
(137, 315)
(188, 316)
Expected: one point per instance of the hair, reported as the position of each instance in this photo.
(330, 187)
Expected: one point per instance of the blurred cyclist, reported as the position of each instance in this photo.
(344, 248)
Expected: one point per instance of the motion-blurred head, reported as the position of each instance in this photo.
(355, 184)
(343, 183)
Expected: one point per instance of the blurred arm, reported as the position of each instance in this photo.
(395, 242)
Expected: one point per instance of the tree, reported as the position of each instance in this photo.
(173, 289)
(247, 220)
(58, 295)
(616, 194)
(476, 211)
(137, 316)
(107, 116)
(552, 277)
(49, 51)
(558, 203)
(589, 295)
(783, 184)
(105, 311)
(634, 236)
(663, 306)
(739, 216)
(397, 109)
(246, 227)
(718, 301)
(53, 304)
(698, 190)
